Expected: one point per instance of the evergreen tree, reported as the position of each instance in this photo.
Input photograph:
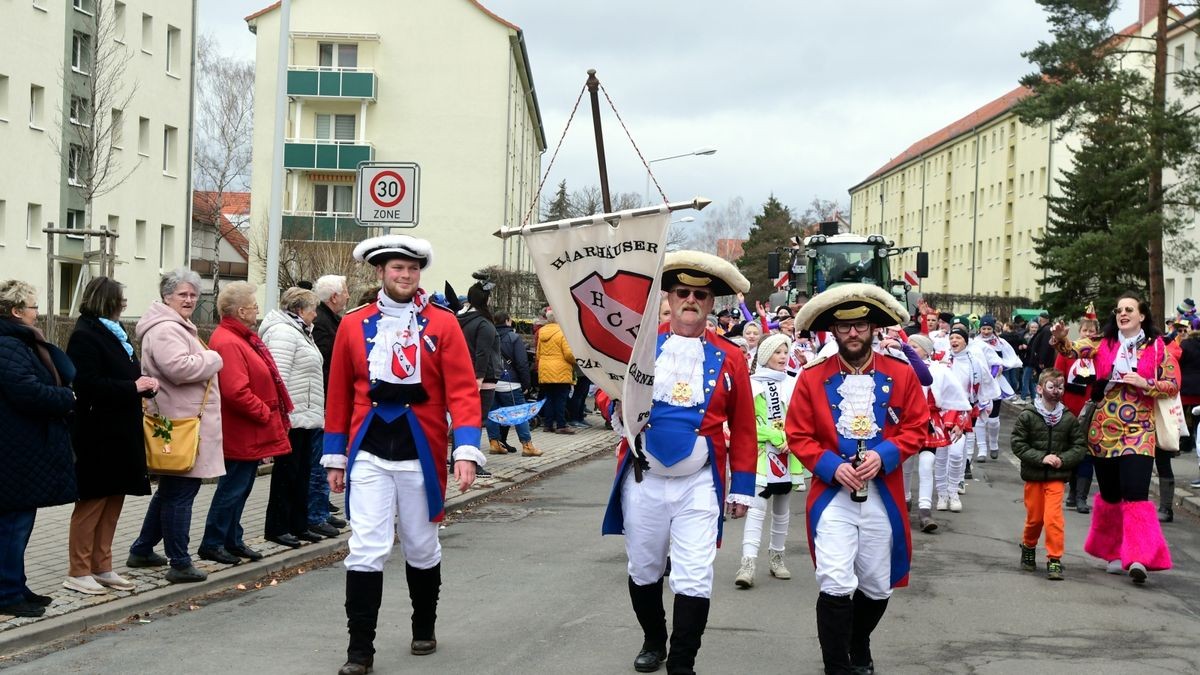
(558, 207)
(772, 230)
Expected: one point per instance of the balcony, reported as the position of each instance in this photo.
(326, 154)
(309, 226)
(319, 82)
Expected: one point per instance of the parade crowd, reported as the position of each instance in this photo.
(878, 417)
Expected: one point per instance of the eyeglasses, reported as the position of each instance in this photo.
(859, 327)
(33, 307)
(186, 296)
(697, 293)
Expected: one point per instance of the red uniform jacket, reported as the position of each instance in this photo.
(901, 412)
(252, 422)
(446, 375)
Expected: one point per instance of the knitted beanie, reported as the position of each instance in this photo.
(768, 345)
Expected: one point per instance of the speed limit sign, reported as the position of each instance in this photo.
(387, 194)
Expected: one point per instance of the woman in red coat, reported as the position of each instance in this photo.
(254, 422)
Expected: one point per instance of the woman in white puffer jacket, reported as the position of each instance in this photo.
(287, 332)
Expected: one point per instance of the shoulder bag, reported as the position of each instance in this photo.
(172, 445)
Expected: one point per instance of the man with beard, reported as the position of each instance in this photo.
(853, 420)
(668, 494)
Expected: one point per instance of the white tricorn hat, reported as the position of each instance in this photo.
(851, 302)
(379, 250)
(696, 268)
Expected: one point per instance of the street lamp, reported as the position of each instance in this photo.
(685, 219)
(700, 151)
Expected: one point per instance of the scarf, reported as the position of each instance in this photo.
(304, 328)
(396, 354)
(1126, 359)
(243, 331)
(1052, 416)
(769, 381)
(116, 329)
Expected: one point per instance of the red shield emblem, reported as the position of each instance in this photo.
(404, 360)
(610, 311)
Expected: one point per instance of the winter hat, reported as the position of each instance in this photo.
(961, 332)
(1188, 305)
(923, 342)
(987, 320)
(945, 316)
(768, 345)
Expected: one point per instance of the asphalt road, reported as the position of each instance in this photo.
(532, 587)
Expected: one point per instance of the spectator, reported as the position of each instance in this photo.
(514, 379)
(35, 400)
(186, 371)
(1029, 358)
(484, 344)
(1015, 338)
(556, 372)
(110, 451)
(335, 297)
(577, 404)
(254, 420)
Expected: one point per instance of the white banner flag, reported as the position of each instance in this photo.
(603, 284)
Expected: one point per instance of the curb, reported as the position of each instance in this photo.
(23, 638)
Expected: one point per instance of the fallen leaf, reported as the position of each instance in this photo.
(193, 607)
(300, 571)
(258, 584)
(274, 582)
(241, 587)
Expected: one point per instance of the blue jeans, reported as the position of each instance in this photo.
(168, 519)
(1028, 383)
(1014, 379)
(318, 485)
(15, 528)
(223, 527)
(505, 399)
(555, 410)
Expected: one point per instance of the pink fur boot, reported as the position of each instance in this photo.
(1104, 536)
(1143, 539)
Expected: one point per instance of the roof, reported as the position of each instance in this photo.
(232, 203)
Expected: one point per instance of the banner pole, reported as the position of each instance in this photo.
(593, 86)
(697, 203)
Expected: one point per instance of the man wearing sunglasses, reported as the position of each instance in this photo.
(668, 494)
(853, 420)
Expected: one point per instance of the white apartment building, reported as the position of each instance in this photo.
(444, 84)
(54, 58)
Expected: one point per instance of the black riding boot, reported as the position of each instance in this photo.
(364, 592)
(867, 613)
(648, 607)
(687, 627)
(423, 588)
(835, 622)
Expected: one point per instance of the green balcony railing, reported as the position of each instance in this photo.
(310, 81)
(324, 154)
(298, 226)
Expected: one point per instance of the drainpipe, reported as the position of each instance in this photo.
(974, 217)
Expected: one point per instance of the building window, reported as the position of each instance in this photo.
(74, 220)
(336, 56)
(74, 164)
(37, 98)
(170, 143)
(1180, 60)
(4, 98)
(166, 247)
(79, 53)
(333, 199)
(83, 6)
(79, 111)
(33, 225)
(139, 238)
(334, 127)
(119, 22)
(172, 49)
(144, 136)
(3, 219)
(147, 33)
(114, 223)
(118, 127)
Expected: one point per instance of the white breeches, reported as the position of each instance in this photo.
(925, 462)
(993, 432)
(780, 517)
(377, 496)
(676, 515)
(949, 466)
(854, 547)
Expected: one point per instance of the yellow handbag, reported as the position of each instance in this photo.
(172, 445)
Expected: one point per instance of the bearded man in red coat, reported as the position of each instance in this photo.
(853, 420)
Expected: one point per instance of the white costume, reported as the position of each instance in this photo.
(1000, 357)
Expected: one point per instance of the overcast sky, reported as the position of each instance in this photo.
(801, 98)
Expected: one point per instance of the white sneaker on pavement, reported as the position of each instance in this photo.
(1115, 567)
(942, 503)
(84, 584)
(955, 504)
(114, 581)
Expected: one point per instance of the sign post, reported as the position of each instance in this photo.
(388, 194)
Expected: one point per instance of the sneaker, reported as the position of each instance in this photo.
(955, 504)
(84, 584)
(962, 488)
(1115, 567)
(801, 486)
(1137, 572)
(22, 608)
(1029, 559)
(185, 575)
(981, 458)
(1195, 484)
(114, 581)
(778, 569)
(745, 573)
(942, 503)
(151, 560)
(1054, 569)
(994, 453)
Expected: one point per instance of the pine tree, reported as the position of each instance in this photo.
(559, 207)
(772, 230)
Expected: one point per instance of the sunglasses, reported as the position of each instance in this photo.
(1125, 310)
(697, 293)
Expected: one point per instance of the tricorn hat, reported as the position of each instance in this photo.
(696, 268)
(379, 250)
(851, 302)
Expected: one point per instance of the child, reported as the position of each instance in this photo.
(1049, 441)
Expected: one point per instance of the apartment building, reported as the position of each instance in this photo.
(95, 133)
(445, 84)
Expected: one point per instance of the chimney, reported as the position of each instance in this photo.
(1148, 11)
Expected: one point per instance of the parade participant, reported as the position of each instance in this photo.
(1132, 370)
(941, 336)
(949, 418)
(779, 471)
(752, 334)
(1001, 357)
(667, 495)
(853, 420)
(1048, 440)
(972, 371)
(397, 370)
(1080, 375)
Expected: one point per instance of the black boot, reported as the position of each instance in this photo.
(1166, 500)
(867, 613)
(648, 607)
(835, 621)
(1072, 493)
(1085, 486)
(687, 627)
(423, 589)
(364, 592)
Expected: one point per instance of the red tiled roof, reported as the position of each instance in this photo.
(232, 203)
(485, 10)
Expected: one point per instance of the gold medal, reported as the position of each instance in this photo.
(860, 426)
(681, 392)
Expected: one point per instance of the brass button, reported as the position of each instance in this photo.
(374, 404)
(695, 431)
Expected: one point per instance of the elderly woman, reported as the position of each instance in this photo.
(35, 448)
(1132, 371)
(110, 451)
(254, 422)
(188, 386)
(287, 332)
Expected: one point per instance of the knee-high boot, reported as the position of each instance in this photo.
(867, 613)
(364, 592)
(835, 622)
(648, 607)
(423, 589)
(687, 627)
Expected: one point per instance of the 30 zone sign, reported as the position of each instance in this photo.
(387, 194)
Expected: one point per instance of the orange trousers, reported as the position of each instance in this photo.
(93, 524)
(1043, 509)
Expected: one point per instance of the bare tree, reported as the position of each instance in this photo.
(309, 260)
(730, 221)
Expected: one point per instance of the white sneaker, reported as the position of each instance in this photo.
(84, 584)
(801, 486)
(962, 488)
(745, 573)
(955, 504)
(942, 503)
(114, 581)
(1115, 567)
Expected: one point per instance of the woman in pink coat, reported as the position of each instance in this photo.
(185, 368)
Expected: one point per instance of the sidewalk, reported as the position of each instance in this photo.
(72, 612)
